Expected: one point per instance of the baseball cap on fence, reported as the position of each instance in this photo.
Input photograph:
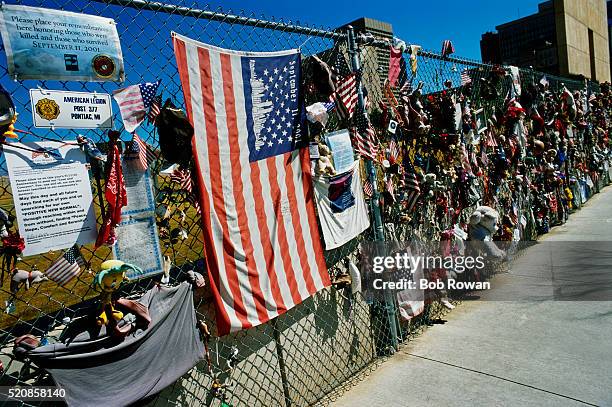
(7, 107)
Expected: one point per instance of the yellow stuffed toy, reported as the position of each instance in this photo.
(570, 197)
(107, 281)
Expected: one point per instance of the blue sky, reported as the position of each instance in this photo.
(148, 53)
(426, 23)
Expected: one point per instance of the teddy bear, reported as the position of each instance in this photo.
(482, 226)
(324, 164)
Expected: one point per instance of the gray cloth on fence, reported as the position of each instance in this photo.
(146, 362)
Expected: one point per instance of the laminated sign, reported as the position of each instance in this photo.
(52, 192)
(53, 44)
(71, 110)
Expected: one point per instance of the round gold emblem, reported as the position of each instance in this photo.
(47, 109)
(103, 66)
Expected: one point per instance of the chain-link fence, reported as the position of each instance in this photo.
(318, 346)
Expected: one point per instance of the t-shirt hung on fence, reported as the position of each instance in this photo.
(52, 192)
(54, 44)
(342, 209)
(263, 249)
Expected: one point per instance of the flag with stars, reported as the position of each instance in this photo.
(66, 267)
(134, 103)
(263, 249)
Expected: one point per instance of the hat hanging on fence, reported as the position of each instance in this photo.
(175, 134)
(7, 108)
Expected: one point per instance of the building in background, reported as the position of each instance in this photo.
(376, 70)
(565, 37)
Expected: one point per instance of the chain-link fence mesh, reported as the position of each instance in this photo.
(318, 346)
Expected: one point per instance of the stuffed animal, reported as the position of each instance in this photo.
(107, 281)
(324, 164)
(20, 277)
(482, 226)
(90, 149)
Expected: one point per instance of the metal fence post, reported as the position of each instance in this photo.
(371, 170)
(281, 361)
(375, 201)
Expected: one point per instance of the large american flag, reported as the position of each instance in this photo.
(263, 249)
(66, 267)
(134, 103)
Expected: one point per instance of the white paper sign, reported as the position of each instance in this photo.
(71, 110)
(52, 193)
(339, 143)
(42, 43)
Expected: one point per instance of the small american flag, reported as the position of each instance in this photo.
(465, 77)
(390, 188)
(465, 160)
(406, 88)
(155, 108)
(368, 189)
(182, 177)
(364, 138)
(484, 158)
(66, 267)
(340, 67)
(490, 139)
(413, 191)
(141, 150)
(447, 48)
(393, 151)
(345, 96)
(134, 102)
(329, 106)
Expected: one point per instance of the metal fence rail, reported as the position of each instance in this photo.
(316, 347)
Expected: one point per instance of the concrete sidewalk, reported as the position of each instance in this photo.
(512, 353)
